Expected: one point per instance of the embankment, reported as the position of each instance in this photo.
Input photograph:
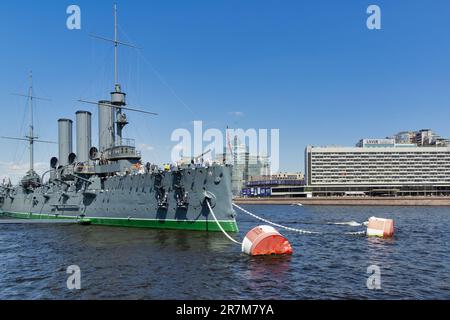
(347, 201)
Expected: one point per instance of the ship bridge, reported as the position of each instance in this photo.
(124, 150)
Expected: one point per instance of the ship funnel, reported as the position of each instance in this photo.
(65, 140)
(84, 135)
(106, 123)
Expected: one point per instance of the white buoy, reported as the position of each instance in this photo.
(379, 227)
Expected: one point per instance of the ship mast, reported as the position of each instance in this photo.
(116, 120)
(30, 138)
(116, 43)
(116, 47)
(118, 98)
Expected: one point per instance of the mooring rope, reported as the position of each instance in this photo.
(273, 223)
(221, 229)
(294, 229)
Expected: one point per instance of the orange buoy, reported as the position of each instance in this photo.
(265, 240)
(379, 227)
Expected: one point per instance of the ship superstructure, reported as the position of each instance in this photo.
(110, 185)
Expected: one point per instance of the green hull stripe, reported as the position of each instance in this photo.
(199, 225)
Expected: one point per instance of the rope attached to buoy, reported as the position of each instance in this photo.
(265, 240)
(221, 229)
(293, 229)
(275, 224)
(268, 222)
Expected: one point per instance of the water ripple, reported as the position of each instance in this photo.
(157, 264)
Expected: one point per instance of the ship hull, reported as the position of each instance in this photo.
(199, 225)
(149, 200)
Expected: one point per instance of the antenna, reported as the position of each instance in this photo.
(122, 107)
(117, 97)
(116, 43)
(31, 138)
(116, 76)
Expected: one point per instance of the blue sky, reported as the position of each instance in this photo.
(310, 68)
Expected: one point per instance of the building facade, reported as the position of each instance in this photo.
(384, 170)
(421, 138)
(277, 185)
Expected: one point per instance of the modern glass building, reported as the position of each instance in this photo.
(245, 164)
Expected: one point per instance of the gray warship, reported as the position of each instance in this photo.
(110, 185)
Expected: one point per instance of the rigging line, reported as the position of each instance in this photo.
(99, 73)
(20, 132)
(36, 96)
(138, 78)
(159, 76)
(163, 81)
(23, 153)
(107, 74)
(36, 121)
(275, 224)
(149, 135)
(100, 66)
(294, 229)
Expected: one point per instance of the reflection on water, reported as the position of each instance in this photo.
(275, 267)
(162, 264)
(379, 249)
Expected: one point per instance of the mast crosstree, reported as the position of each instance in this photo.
(118, 98)
(31, 138)
(116, 43)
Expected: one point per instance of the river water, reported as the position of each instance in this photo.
(121, 263)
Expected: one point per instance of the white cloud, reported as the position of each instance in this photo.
(145, 147)
(15, 171)
(236, 114)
